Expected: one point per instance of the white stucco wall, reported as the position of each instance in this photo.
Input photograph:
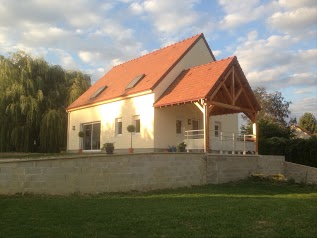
(198, 54)
(229, 123)
(107, 113)
(165, 123)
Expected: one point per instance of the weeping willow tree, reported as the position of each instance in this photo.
(33, 98)
(52, 130)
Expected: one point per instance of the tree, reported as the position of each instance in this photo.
(273, 106)
(131, 129)
(308, 122)
(272, 117)
(33, 98)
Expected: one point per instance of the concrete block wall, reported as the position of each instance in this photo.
(121, 173)
(226, 168)
(96, 174)
(301, 173)
(270, 164)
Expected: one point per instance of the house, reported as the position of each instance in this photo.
(300, 132)
(174, 94)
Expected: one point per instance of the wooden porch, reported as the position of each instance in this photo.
(219, 88)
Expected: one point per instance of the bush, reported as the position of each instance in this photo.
(300, 151)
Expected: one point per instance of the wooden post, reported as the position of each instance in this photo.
(256, 133)
(206, 127)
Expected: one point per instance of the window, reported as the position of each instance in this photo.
(98, 92)
(118, 126)
(137, 124)
(178, 127)
(195, 128)
(91, 136)
(217, 128)
(135, 81)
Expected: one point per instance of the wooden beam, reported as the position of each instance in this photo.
(242, 109)
(200, 107)
(256, 132)
(244, 91)
(248, 100)
(220, 85)
(237, 95)
(227, 91)
(239, 80)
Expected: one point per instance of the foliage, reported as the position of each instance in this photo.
(301, 151)
(308, 122)
(182, 144)
(241, 209)
(33, 98)
(268, 129)
(81, 134)
(272, 117)
(131, 128)
(181, 147)
(269, 178)
(273, 106)
(108, 144)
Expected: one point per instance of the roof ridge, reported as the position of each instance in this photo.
(155, 51)
(216, 61)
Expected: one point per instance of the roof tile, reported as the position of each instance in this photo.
(154, 65)
(194, 83)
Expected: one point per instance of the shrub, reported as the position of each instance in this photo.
(301, 151)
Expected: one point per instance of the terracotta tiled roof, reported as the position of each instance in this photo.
(154, 65)
(195, 83)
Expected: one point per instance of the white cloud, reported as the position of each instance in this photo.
(302, 79)
(270, 62)
(171, 16)
(216, 52)
(294, 21)
(305, 104)
(294, 4)
(309, 90)
(173, 20)
(242, 12)
(85, 56)
(136, 8)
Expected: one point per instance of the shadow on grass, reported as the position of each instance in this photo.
(240, 209)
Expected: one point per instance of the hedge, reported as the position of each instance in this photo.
(300, 151)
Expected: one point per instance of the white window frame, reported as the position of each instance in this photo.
(217, 128)
(117, 121)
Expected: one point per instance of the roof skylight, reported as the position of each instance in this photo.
(99, 91)
(135, 81)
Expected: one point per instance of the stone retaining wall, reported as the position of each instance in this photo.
(119, 173)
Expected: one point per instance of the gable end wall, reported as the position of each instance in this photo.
(199, 54)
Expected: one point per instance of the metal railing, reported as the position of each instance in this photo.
(221, 141)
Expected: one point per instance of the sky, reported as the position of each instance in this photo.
(274, 41)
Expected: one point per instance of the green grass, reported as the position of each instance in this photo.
(244, 209)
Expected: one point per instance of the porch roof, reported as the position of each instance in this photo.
(195, 83)
(222, 83)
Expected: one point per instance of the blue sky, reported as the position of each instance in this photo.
(274, 41)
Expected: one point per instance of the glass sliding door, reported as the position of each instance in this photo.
(92, 136)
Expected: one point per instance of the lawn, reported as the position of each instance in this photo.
(243, 209)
